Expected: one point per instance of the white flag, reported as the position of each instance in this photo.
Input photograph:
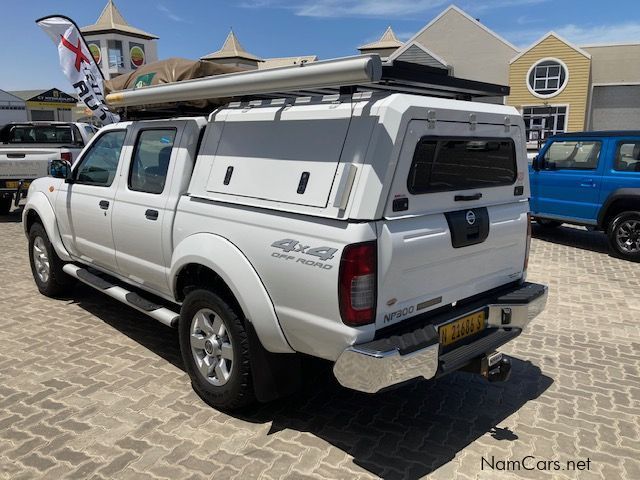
(78, 64)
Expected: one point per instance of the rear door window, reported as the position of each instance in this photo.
(151, 160)
(628, 156)
(447, 164)
(572, 155)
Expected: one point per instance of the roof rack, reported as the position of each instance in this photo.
(339, 76)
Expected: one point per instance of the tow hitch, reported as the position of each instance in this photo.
(495, 367)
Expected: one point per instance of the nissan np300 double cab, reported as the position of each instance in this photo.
(385, 232)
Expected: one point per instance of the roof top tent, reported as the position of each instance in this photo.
(344, 76)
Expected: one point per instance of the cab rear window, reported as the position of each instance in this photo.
(445, 164)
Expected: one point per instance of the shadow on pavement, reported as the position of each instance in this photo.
(570, 236)
(400, 434)
(14, 216)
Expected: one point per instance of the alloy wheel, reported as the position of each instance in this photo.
(211, 347)
(628, 236)
(41, 259)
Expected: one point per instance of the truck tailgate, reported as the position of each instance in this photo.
(421, 270)
(25, 163)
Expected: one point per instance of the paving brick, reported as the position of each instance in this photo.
(37, 461)
(117, 464)
(138, 446)
(72, 456)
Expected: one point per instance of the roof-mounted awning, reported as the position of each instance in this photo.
(344, 75)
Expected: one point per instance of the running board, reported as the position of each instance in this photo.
(132, 299)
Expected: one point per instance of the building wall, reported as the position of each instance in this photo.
(415, 54)
(12, 109)
(575, 93)
(615, 63)
(470, 50)
(150, 51)
(383, 52)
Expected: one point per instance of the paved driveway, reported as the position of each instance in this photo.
(91, 389)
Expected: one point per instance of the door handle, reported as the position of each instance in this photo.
(104, 204)
(587, 182)
(151, 214)
(468, 198)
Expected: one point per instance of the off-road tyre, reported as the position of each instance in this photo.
(237, 390)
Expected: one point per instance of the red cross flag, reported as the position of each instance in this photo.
(78, 64)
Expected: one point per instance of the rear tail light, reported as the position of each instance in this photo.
(66, 156)
(528, 248)
(357, 284)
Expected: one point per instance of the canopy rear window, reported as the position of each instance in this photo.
(447, 164)
(37, 134)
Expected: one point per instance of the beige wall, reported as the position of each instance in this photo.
(473, 52)
(383, 52)
(575, 93)
(615, 63)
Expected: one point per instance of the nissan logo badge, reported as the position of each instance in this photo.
(471, 217)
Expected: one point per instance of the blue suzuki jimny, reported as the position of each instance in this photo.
(591, 179)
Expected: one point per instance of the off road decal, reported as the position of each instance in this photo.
(293, 251)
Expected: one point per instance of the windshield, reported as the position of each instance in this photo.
(36, 134)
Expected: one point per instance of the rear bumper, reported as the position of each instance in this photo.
(15, 188)
(416, 353)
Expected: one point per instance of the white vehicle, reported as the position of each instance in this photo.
(27, 148)
(385, 232)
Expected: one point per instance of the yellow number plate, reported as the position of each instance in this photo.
(25, 185)
(461, 328)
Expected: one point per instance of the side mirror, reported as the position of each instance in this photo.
(536, 163)
(59, 169)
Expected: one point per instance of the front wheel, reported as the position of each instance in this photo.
(46, 266)
(215, 350)
(624, 235)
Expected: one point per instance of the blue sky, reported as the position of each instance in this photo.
(270, 28)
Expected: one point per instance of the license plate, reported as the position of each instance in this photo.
(461, 328)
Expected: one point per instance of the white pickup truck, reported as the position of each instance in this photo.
(27, 148)
(387, 233)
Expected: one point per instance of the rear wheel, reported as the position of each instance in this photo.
(5, 204)
(46, 266)
(545, 223)
(215, 350)
(624, 235)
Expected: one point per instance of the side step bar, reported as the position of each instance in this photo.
(132, 299)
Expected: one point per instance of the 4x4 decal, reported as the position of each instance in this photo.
(293, 246)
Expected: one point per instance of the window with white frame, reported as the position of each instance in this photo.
(547, 78)
(543, 121)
